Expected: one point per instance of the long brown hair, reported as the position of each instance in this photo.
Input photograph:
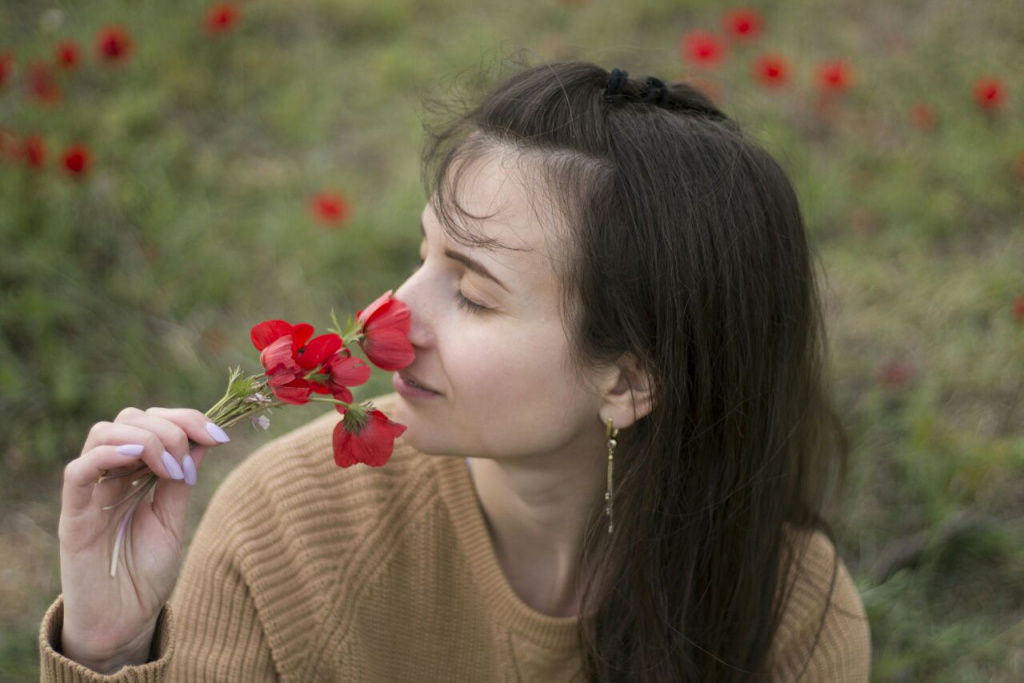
(686, 248)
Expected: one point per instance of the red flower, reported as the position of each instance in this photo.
(298, 366)
(989, 93)
(342, 371)
(34, 150)
(924, 116)
(68, 54)
(742, 24)
(330, 208)
(385, 327)
(771, 70)
(41, 83)
(6, 66)
(221, 18)
(895, 373)
(702, 48)
(113, 44)
(370, 443)
(835, 76)
(77, 159)
(1018, 308)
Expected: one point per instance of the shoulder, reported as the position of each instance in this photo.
(824, 632)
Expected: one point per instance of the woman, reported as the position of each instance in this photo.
(619, 439)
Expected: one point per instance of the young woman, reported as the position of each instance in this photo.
(618, 452)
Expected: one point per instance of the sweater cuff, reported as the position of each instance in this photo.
(56, 668)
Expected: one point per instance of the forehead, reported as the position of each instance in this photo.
(503, 190)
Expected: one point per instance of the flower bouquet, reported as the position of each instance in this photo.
(298, 369)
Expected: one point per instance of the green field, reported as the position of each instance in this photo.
(135, 282)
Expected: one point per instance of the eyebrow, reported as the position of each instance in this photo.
(468, 262)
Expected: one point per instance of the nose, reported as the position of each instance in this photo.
(412, 294)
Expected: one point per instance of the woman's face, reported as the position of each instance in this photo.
(506, 387)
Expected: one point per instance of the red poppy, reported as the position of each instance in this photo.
(989, 93)
(113, 44)
(1018, 308)
(771, 70)
(77, 159)
(895, 373)
(369, 441)
(42, 85)
(34, 150)
(330, 208)
(742, 24)
(385, 328)
(701, 48)
(298, 366)
(924, 116)
(835, 76)
(221, 18)
(68, 54)
(342, 371)
(6, 66)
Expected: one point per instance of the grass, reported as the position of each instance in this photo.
(193, 222)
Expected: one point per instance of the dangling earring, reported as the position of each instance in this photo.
(610, 434)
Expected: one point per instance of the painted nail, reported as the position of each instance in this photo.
(217, 433)
(131, 449)
(189, 466)
(173, 468)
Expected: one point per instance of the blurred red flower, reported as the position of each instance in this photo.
(1018, 308)
(989, 93)
(701, 47)
(33, 148)
(923, 116)
(742, 24)
(221, 18)
(77, 159)
(68, 54)
(835, 76)
(6, 66)
(771, 70)
(895, 373)
(329, 207)
(113, 44)
(42, 85)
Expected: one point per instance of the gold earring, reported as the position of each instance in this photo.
(610, 434)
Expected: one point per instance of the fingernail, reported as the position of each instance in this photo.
(173, 468)
(131, 449)
(217, 433)
(189, 466)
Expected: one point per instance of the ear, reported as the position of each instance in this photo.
(629, 394)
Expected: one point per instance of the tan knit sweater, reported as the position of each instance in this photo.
(303, 571)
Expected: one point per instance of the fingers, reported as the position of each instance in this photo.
(159, 437)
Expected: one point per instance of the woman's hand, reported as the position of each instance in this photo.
(109, 621)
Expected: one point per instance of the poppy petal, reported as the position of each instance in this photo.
(269, 331)
(319, 350)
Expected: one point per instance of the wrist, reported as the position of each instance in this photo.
(132, 654)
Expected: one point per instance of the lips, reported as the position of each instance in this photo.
(412, 379)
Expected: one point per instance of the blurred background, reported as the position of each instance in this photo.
(173, 173)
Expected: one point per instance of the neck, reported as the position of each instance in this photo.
(536, 511)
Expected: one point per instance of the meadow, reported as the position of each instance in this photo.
(172, 173)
